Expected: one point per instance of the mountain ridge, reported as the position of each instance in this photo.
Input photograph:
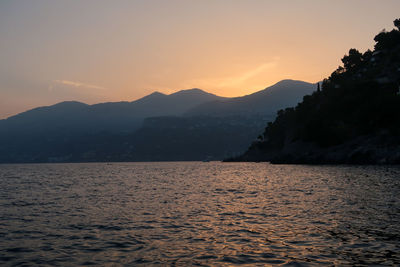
(282, 94)
(194, 92)
(110, 116)
(124, 131)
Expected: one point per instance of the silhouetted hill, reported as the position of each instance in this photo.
(159, 139)
(73, 131)
(354, 118)
(286, 93)
(158, 104)
(75, 117)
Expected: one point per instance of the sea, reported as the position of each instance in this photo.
(199, 214)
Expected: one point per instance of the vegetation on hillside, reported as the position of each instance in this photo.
(359, 98)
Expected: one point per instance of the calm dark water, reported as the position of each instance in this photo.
(201, 214)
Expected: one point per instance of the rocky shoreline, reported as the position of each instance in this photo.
(371, 149)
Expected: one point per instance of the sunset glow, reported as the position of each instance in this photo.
(97, 51)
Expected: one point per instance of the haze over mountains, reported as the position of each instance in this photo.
(74, 116)
(286, 93)
(195, 121)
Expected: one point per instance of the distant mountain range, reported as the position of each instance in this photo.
(286, 93)
(74, 117)
(74, 131)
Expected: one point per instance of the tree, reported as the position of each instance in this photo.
(388, 40)
(352, 60)
(397, 23)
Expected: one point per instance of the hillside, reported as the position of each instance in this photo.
(286, 93)
(160, 139)
(152, 128)
(353, 118)
(76, 117)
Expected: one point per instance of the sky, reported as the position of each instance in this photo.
(98, 51)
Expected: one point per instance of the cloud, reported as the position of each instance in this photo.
(79, 84)
(237, 80)
(232, 81)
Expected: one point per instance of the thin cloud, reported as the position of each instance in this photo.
(235, 81)
(79, 84)
(232, 81)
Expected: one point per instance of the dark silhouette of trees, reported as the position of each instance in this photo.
(397, 23)
(352, 60)
(388, 40)
(359, 98)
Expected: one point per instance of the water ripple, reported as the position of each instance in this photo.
(205, 214)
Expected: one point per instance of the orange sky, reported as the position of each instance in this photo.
(95, 51)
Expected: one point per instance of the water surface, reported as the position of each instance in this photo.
(205, 214)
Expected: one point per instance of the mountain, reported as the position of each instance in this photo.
(75, 117)
(159, 139)
(286, 93)
(157, 104)
(354, 118)
(154, 128)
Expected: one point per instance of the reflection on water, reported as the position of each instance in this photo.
(199, 214)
